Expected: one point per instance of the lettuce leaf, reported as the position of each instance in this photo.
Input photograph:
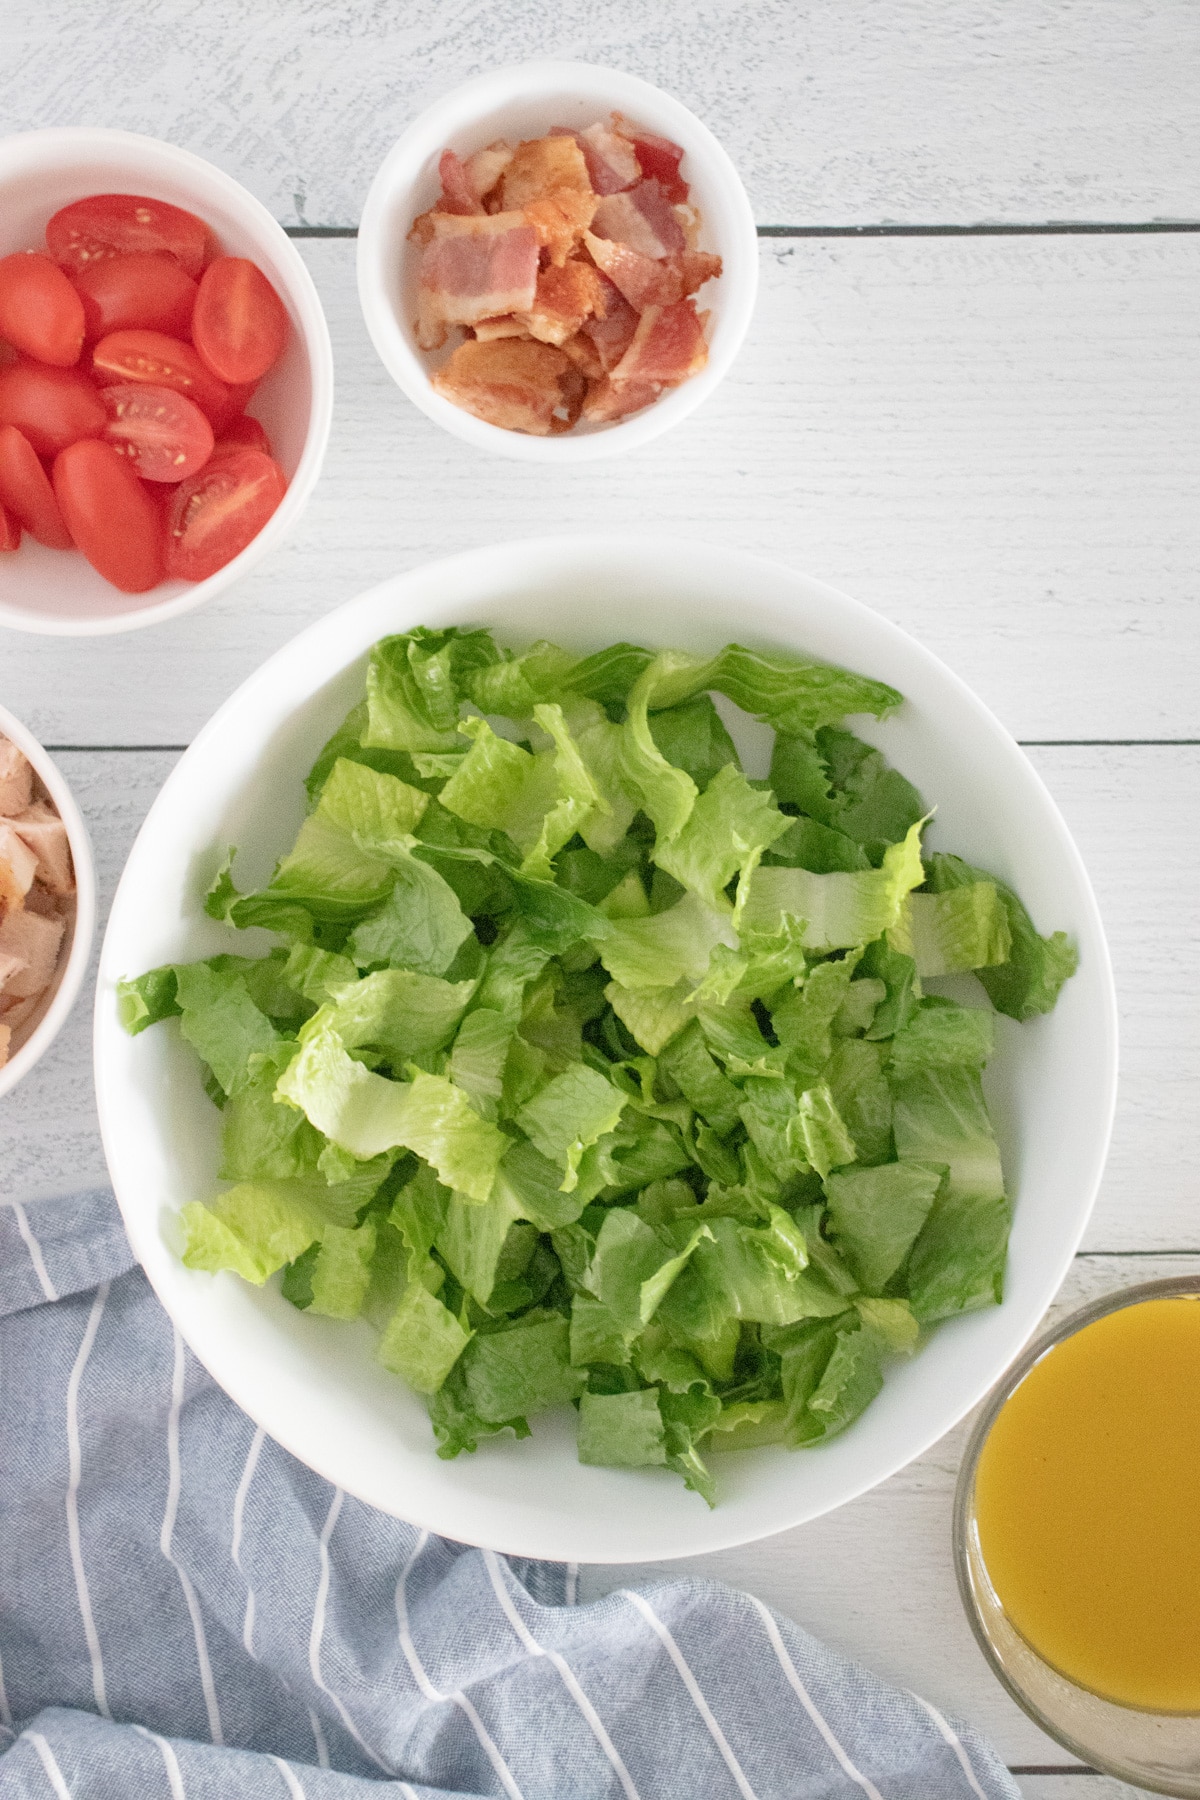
(841, 911)
(522, 1367)
(570, 1114)
(730, 823)
(420, 925)
(422, 1340)
(415, 686)
(948, 934)
(622, 1431)
(1030, 981)
(876, 1214)
(222, 1024)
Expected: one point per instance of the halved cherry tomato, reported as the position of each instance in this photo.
(26, 492)
(659, 159)
(53, 407)
(165, 436)
(219, 511)
(110, 515)
(40, 312)
(114, 224)
(8, 353)
(10, 533)
(144, 291)
(151, 356)
(239, 325)
(243, 433)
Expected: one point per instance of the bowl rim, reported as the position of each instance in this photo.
(317, 347)
(578, 550)
(1164, 1287)
(615, 89)
(72, 970)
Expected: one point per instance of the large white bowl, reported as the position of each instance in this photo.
(311, 1382)
(57, 591)
(524, 102)
(63, 991)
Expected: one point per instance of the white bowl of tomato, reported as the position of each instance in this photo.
(166, 381)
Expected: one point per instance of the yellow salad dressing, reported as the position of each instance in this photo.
(1087, 1497)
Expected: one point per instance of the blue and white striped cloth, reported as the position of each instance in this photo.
(188, 1612)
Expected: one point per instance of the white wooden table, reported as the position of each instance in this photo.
(970, 396)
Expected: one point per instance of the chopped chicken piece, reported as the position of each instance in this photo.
(16, 779)
(475, 268)
(541, 167)
(18, 865)
(565, 298)
(668, 347)
(516, 384)
(608, 399)
(5, 1041)
(46, 836)
(35, 942)
(485, 168)
(643, 218)
(9, 966)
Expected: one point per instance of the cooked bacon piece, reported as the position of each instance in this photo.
(488, 330)
(565, 298)
(560, 220)
(643, 280)
(540, 167)
(611, 162)
(518, 385)
(584, 354)
(696, 267)
(612, 329)
(659, 160)
(33, 941)
(485, 168)
(457, 194)
(643, 218)
(475, 268)
(16, 779)
(608, 400)
(668, 347)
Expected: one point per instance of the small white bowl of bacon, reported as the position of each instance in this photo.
(557, 262)
(47, 901)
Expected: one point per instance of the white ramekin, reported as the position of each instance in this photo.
(73, 957)
(523, 102)
(58, 592)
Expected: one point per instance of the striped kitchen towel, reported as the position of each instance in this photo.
(188, 1612)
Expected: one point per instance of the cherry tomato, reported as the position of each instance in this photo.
(106, 225)
(243, 433)
(40, 312)
(165, 436)
(110, 515)
(52, 407)
(219, 511)
(150, 356)
(239, 326)
(26, 492)
(10, 533)
(8, 353)
(144, 291)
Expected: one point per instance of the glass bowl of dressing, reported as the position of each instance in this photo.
(1077, 1534)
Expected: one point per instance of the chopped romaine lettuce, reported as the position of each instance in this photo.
(591, 1069)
